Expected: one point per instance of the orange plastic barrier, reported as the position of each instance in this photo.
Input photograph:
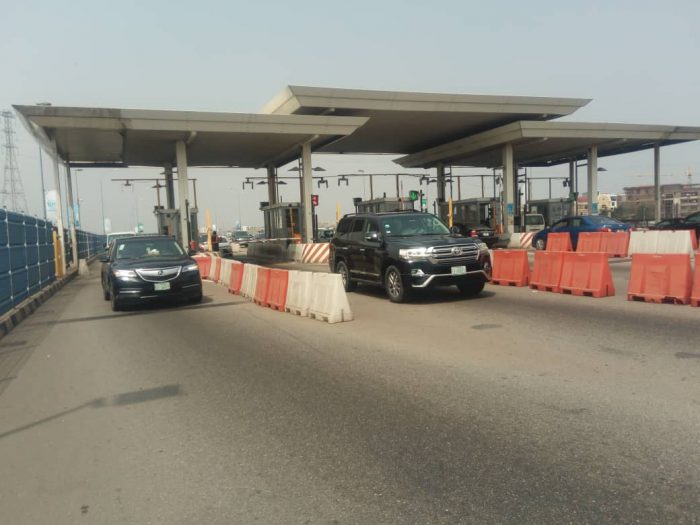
(546, 274)
(590, 242)
(694, 240)
(204, 263)
(217, 270)
(559, 242)
(277, 289)
(615, 244)
(236, 278)
(660, 278)
(586, 274)
(510, 268)
(695, 292)
(262, 286)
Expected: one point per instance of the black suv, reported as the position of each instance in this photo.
(403, 251)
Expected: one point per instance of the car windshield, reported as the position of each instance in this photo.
(601, 219)
(242, 235)
(148, 248)
(409, 224)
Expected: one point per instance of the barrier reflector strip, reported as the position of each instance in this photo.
(315, 253)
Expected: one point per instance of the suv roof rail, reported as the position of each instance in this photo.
(382, 213)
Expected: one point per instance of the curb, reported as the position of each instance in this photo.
(23, 310)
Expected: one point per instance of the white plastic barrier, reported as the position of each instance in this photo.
(299, 292)
(225, 277)
(328, 299)
(661, 241)
(212, 266)
(250, 279)
(295, 251)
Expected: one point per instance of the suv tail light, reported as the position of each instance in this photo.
(473, 233)
(604, 229)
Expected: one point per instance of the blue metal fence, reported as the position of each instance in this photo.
(27, 256)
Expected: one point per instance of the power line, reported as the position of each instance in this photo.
(12, 190)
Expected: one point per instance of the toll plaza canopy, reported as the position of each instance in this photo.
(549, 143)
(428, 129)
(127, 137)
(402, 122)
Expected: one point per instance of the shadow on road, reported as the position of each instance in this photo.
(139, 310)
(126, 398)
(442, 294)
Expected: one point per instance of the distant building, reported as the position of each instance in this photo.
(677, 200)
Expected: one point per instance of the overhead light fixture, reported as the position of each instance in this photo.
(344, 179)
(322, 181)
(318, 168)
(281, 183)
(127, 183)
(262, 183)
(295, 168)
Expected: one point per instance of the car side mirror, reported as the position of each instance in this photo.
(456, 230)
(103, 258)
(191, 252)
(373, 237)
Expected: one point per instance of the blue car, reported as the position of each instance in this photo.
(577, 224)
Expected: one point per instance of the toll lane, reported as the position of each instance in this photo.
(517, 406)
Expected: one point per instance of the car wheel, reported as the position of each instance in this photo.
(348, 283)
(395, 286)
(471, 288)
(116, 304)
(539, 244)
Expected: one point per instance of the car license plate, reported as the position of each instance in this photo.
(486, 234)
(159, 287)
(459, 270)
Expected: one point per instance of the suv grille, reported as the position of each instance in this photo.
(454, 253)
(159, 274)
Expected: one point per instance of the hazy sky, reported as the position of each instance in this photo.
(637, 60)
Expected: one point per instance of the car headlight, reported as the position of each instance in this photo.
(125, 274)
(414, 253)
(190, 268)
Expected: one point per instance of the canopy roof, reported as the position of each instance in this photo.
(549, 143)
(404, 122)
(126, 137)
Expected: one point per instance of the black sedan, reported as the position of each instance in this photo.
(486, 234)
(147, 268)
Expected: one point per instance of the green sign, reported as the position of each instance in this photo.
(413, 195)
(424, 202)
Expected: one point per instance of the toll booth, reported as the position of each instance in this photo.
(168, 222)
(282, 221)
(384, 204)
(472, 212)
(551, 209)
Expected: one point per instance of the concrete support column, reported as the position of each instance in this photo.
(593, 180)
(183, 192)
(169, 188)
(509, 185)
(307, 179)
(441, 183)
(71, 217)
(272, 184)
(59, 205)
(657, 180)
(572, 186)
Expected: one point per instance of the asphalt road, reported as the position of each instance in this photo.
(515, 407)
